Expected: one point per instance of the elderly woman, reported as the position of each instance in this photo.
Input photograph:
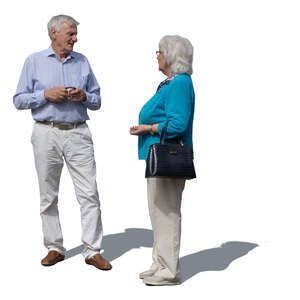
(173, 102)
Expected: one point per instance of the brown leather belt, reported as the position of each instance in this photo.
(62, 126)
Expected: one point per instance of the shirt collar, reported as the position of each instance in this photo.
(50, 52)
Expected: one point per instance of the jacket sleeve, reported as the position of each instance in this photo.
(26, 97)
(178, 108)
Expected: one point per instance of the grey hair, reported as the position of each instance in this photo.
(178, 53)
(56, 22)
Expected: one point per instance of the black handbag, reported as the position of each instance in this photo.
(170, 160)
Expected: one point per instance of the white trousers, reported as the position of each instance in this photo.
(164, 201)
(52, 147)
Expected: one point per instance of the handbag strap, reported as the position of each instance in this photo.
(163, 135)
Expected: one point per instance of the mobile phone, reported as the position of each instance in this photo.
(70, 88)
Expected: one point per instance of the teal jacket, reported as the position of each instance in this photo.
(174, 103)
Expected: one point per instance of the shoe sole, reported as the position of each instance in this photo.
(161, 283)
(154, 283)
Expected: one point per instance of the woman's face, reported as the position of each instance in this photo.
(162, 66)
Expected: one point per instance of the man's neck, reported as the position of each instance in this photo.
(59, 52)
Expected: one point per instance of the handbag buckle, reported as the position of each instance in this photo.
(174, 152)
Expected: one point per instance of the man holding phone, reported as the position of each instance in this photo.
(58, 85)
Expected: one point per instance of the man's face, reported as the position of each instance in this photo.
(65, 38)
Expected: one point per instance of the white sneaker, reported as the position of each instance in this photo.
(157, 280)
(150, 272)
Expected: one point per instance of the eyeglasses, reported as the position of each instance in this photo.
(158, 53)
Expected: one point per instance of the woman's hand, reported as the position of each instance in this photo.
(140, 129)
(143, 129)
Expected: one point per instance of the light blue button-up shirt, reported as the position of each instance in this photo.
(44, 70)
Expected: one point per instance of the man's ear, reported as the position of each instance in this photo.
(53, 33)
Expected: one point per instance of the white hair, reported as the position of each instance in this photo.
(56, 22)
(178, 53)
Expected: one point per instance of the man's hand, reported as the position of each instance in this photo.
(77, 95)
(140, 129)
(56, 94)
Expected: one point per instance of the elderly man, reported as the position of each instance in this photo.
(58, 85)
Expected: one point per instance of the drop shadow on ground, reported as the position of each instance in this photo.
(214, 259)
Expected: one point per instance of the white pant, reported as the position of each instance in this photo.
(164, 201)
(53, 146)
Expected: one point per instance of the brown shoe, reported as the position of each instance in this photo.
(52, 258)
(99, 262)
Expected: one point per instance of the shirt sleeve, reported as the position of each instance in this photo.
(92, 91)
(178, 108)
(26, 97)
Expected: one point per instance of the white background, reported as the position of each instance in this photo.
(246, 144)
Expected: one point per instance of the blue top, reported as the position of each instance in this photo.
(44, 70)
(175, 103)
